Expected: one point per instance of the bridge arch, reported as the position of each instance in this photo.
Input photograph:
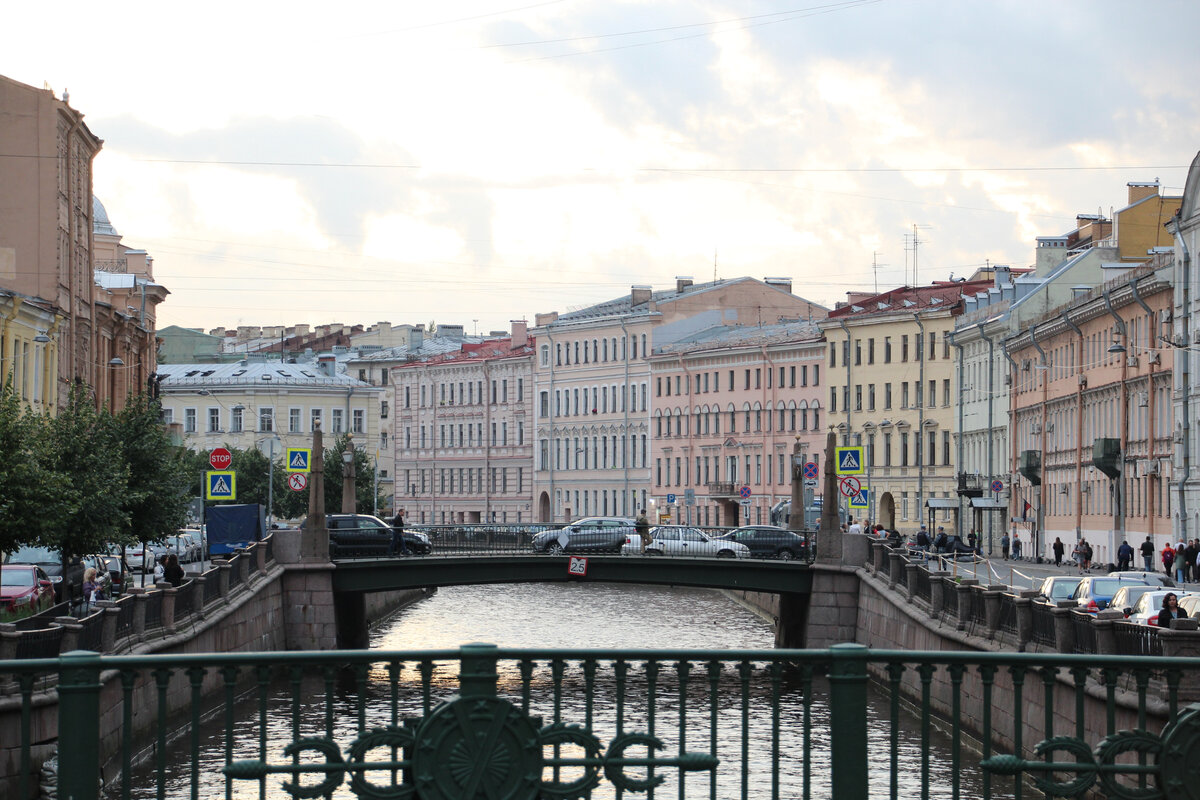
(885, 513)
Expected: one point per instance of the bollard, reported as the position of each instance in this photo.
(937, 592)
(108, 631)
(70, 638)
(1106, 638)
(965, 589)
(138, 630)
(198, 596)
(895, 569)
(1024, 603)
(992, 598)
(224, 571)
(1064, 627)
(910, 579)
(1182, 640)
(477, 670)
(168, 607)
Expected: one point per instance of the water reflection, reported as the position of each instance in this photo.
(769, 704)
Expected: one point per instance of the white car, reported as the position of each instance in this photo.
(1146, 609)
(683, 540)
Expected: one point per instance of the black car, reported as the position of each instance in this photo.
(769, 541)
(588, 535)
(362, 535)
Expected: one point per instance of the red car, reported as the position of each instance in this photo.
(25, 586)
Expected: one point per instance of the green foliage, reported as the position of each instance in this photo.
(33, 497)
(364, 471)
(158, 497)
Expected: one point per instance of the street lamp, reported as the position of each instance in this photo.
(796, 518)
(349, 506)
(271, 476)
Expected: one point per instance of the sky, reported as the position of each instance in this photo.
(476, 162)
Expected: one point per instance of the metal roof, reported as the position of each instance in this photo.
(259, 374)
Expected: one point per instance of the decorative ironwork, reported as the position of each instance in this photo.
(1170, 761)
(470, 747)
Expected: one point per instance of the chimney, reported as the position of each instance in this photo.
(1140, 191)
(639, 294)
(1001, 275)
(779, 283)
(327, 364)
(520, 333)
(416, 338)
(682, 282)
(545, 318)
(453, 332)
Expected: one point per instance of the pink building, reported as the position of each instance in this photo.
(1092, 420)
(729, 405)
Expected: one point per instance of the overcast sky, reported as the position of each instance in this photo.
(479, 161)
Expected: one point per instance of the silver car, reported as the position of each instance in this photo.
(684, 540)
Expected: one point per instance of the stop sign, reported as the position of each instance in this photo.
(220, 458)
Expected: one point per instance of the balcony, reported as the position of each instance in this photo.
(970, 484)
(722, 489)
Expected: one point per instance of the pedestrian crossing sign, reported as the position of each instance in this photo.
(862, 500)
(849, 460)
(220, 485)
(298, 459)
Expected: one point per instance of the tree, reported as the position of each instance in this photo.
(84, 447)
(364, 470)
(157, 501)
(33, 497)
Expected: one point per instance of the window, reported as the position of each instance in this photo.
(338, 421)
(887, 349)
(887, 396)
(904, 348)
(189, 420)
(266, 419)
(946, 392)
(945, 447)
(504, 391)
(314, 419)
(871, 351)
(294, 420)
(383, 409)
(360, 420)
(857, 352)
(235, 419)
(214, 420)
(545, 355)
(870, 397)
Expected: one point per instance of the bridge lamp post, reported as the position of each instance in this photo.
(349, 505)
(796, 518)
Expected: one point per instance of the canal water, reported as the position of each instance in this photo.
(599, 616)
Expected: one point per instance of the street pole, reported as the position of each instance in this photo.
(796, 518)
(349, 506)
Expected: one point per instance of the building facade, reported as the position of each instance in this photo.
(729, 405)
(1185, 341)
(463, 444)
(593, 404)
(891, 390)
(1091, 417)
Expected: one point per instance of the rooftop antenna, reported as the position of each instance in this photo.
(714, 264)
(875, 265)
(915, 243)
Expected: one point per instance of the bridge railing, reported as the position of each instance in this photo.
(139, 617)
(566, 723)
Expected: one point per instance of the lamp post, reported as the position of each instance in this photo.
(796, 518)
(349, 506)
(271, 477)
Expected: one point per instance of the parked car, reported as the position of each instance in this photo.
(587, 535)
(1057, 587)
(362, 535)
(119, 573)
(1127, 596)
(1153, 578)
(1095, 591)
(768, 541)
(25, 588)
(1148, 606)
(1191, 604)
(683, 540)
(66, 584)
(188, 546)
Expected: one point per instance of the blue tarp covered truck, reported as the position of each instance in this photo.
(231, 527)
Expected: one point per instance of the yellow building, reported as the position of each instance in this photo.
(28, 349)
(1139, 227)
(892, 391)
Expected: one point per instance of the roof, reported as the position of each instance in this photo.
(486, 350)
(624, 306)
(941, 295)
(739, 335)
(254, 373)
(430, 347)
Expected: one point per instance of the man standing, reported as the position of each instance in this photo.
(1004, 546)
(642, 526)
(1148, 554)
(1124, 556)
(398, 543)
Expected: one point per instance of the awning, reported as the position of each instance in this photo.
(941, 502)
(988, 502)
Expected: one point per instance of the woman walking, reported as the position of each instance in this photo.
(1170, 611)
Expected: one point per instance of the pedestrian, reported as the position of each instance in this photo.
(1148, 554)
(159, 567)
(1016, 547)
(1124, 556)
(1059, 548)
(1189, 574)
(940, 542)
(1079, 554)
(1167, 557)
(643, 530)
(923, 540)
(1170, 611)
(1180, 558)
(1087, 556)
(91, 587)
(1004, 546)
(399, 546)
(971, 540)
(172, 572)
(855, 527)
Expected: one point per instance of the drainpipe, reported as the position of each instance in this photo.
(1150, 416)
(1185, 383)
(1042, 489)
(960, 448)
(1013, 374)
(1078, 428)
(1119, 483)
(990, 422)
(921, 421)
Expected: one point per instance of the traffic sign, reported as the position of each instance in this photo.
(577, 566)
(220, 485)
(810, 471)
(220, 459)
(850, 486)
(744, 493)
(849, 460)
(811, 482)
(689, 497)
(298, 459)
(298, 481)
(861, 500)
(670, 499)
(997, 485)
(745, 501)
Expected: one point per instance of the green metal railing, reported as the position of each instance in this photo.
(846, 722)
